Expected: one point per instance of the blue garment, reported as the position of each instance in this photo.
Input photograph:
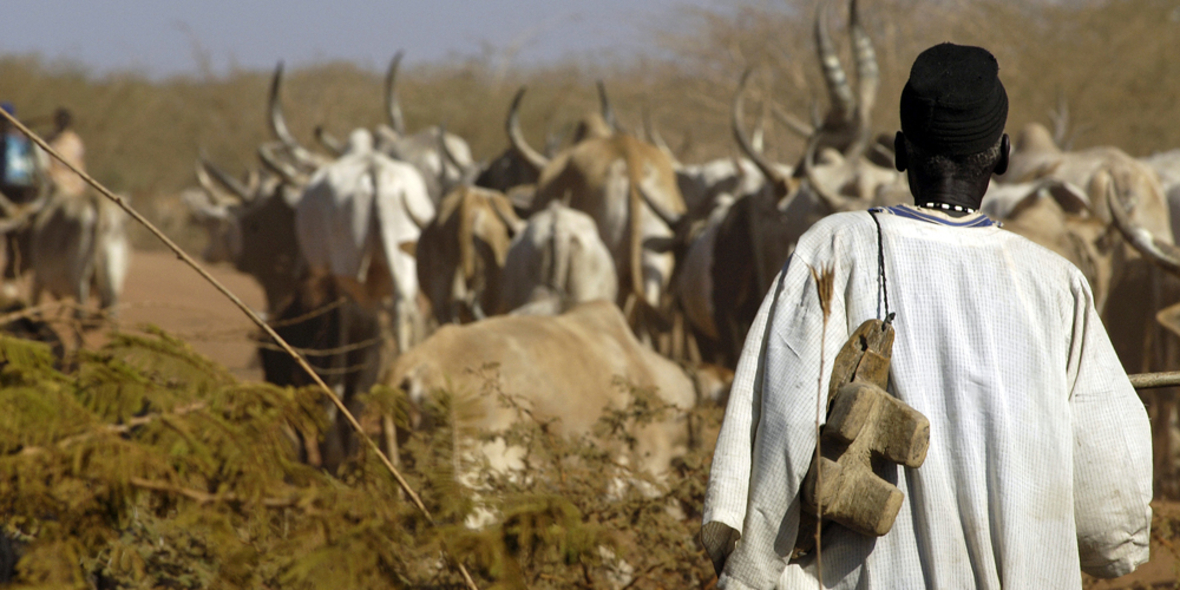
(18, 169)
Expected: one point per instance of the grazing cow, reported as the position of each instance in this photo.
(562, 367)
(557, 260)
(335, 324)
(80, 242)
(252, 229)
(358, 218)
(461, 253)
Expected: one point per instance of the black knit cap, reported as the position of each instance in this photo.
(954, 102)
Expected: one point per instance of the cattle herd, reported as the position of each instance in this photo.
(394, 257)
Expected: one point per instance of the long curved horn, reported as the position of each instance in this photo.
(608, 112)
(278, 123)
(649, 129)
(868, 74)
(226, 180)
(516, 136)
(393, 108)
(739, 134)
(669, 218)
(835, 202)
(329, 141)
(1162, 253)
(839, 91)
(285, 171)
(216, 196)
(793, 123)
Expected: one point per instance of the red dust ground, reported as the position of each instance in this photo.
(161, 290)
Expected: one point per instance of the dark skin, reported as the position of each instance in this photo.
(966, 193)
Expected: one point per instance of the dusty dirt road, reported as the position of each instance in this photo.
(163, 291)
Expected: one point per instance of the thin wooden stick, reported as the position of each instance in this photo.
(182, 255)
(1154, 380)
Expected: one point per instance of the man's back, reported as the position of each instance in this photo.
(1039, 447)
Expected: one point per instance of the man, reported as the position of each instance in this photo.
(1039, 463)
(67, 143)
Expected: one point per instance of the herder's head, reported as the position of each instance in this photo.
(952, 139)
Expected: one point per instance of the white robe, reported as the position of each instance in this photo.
(1040, 450)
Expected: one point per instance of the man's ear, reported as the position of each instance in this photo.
(901, 158)
(1005, 151)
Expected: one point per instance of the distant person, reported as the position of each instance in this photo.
(19, 181)
(67, 143)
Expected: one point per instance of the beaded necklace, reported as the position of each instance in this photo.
(947, 207)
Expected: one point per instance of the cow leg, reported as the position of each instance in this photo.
(403, 323)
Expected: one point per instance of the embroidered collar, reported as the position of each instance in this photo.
(935, 216)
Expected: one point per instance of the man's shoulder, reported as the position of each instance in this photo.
(843, 223)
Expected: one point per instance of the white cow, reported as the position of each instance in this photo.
(562, 367)
(80, 241)
(358, 217)
(558, 256)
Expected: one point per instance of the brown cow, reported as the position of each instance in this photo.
(614, 178)
(461, 253)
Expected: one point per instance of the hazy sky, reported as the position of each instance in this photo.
(162, 37)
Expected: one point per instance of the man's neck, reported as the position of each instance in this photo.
(955, 193)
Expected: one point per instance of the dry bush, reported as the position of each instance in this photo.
(151, 467)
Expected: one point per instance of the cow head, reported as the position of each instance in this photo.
(251, 226)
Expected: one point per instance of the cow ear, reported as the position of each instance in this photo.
(410, 248)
